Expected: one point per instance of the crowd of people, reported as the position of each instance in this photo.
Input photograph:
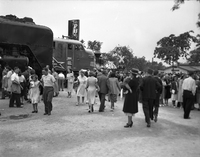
(151, 88)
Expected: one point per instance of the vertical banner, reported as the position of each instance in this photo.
(73, 29)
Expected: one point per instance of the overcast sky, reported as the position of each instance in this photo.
(137, 24)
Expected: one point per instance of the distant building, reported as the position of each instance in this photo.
(182, 68)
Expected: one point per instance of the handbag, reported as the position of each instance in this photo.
(98, 88)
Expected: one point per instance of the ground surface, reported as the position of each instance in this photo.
(73, 132)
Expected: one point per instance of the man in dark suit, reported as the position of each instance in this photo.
(104, 86)
(158, 93)
(149, 86)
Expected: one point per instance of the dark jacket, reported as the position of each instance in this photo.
(103, 83)
(159, 90)
(149, 87)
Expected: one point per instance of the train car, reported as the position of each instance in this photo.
(71, 54)
(23, 43)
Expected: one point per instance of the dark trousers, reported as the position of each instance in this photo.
(61, 84)
(47, 99)
(3, 93)
(156, 103)
(188, 102)
(15, 97)
(148, 109)
(102, 97)
(25, 91)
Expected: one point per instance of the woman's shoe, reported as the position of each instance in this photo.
(36, 111)
(128, 125)
(131, 124)
(33, 111)
(89, 111)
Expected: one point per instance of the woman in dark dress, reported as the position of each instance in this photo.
(131, 98)
(167, 91)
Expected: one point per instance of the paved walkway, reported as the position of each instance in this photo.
(72, 132)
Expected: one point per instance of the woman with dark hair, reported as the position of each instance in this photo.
(114, 89)
(131, 98)
(167, 90)
(180, 92)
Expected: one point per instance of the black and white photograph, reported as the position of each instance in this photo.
(99, 78)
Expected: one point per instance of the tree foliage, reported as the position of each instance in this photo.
(83, 42)
(94, 45)
(129, 60)
(123, 58)
(177, 6)
(171, 48)
(195, 54)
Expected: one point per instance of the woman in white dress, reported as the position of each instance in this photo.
(81, 91)
(180, 92)
(9, 73)
(70, 82)
(174, 91)
(91, 87)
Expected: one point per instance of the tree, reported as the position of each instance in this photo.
(170, 49)
(177, 6)
(122, 56)
(83, 42)
(94, 45)
(139, 63)
(195, 54)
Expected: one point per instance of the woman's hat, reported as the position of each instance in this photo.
(91, 73)
(134, 71)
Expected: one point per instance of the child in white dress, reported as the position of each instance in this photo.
(35, 93)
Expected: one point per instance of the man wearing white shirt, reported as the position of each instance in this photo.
(48, 82)
(189, 89)
(15, 89)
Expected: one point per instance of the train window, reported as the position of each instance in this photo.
(60, 50)
(70, 46)
(77, 47)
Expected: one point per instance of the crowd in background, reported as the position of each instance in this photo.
(107, 85)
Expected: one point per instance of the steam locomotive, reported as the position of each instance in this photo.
(23, 43)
